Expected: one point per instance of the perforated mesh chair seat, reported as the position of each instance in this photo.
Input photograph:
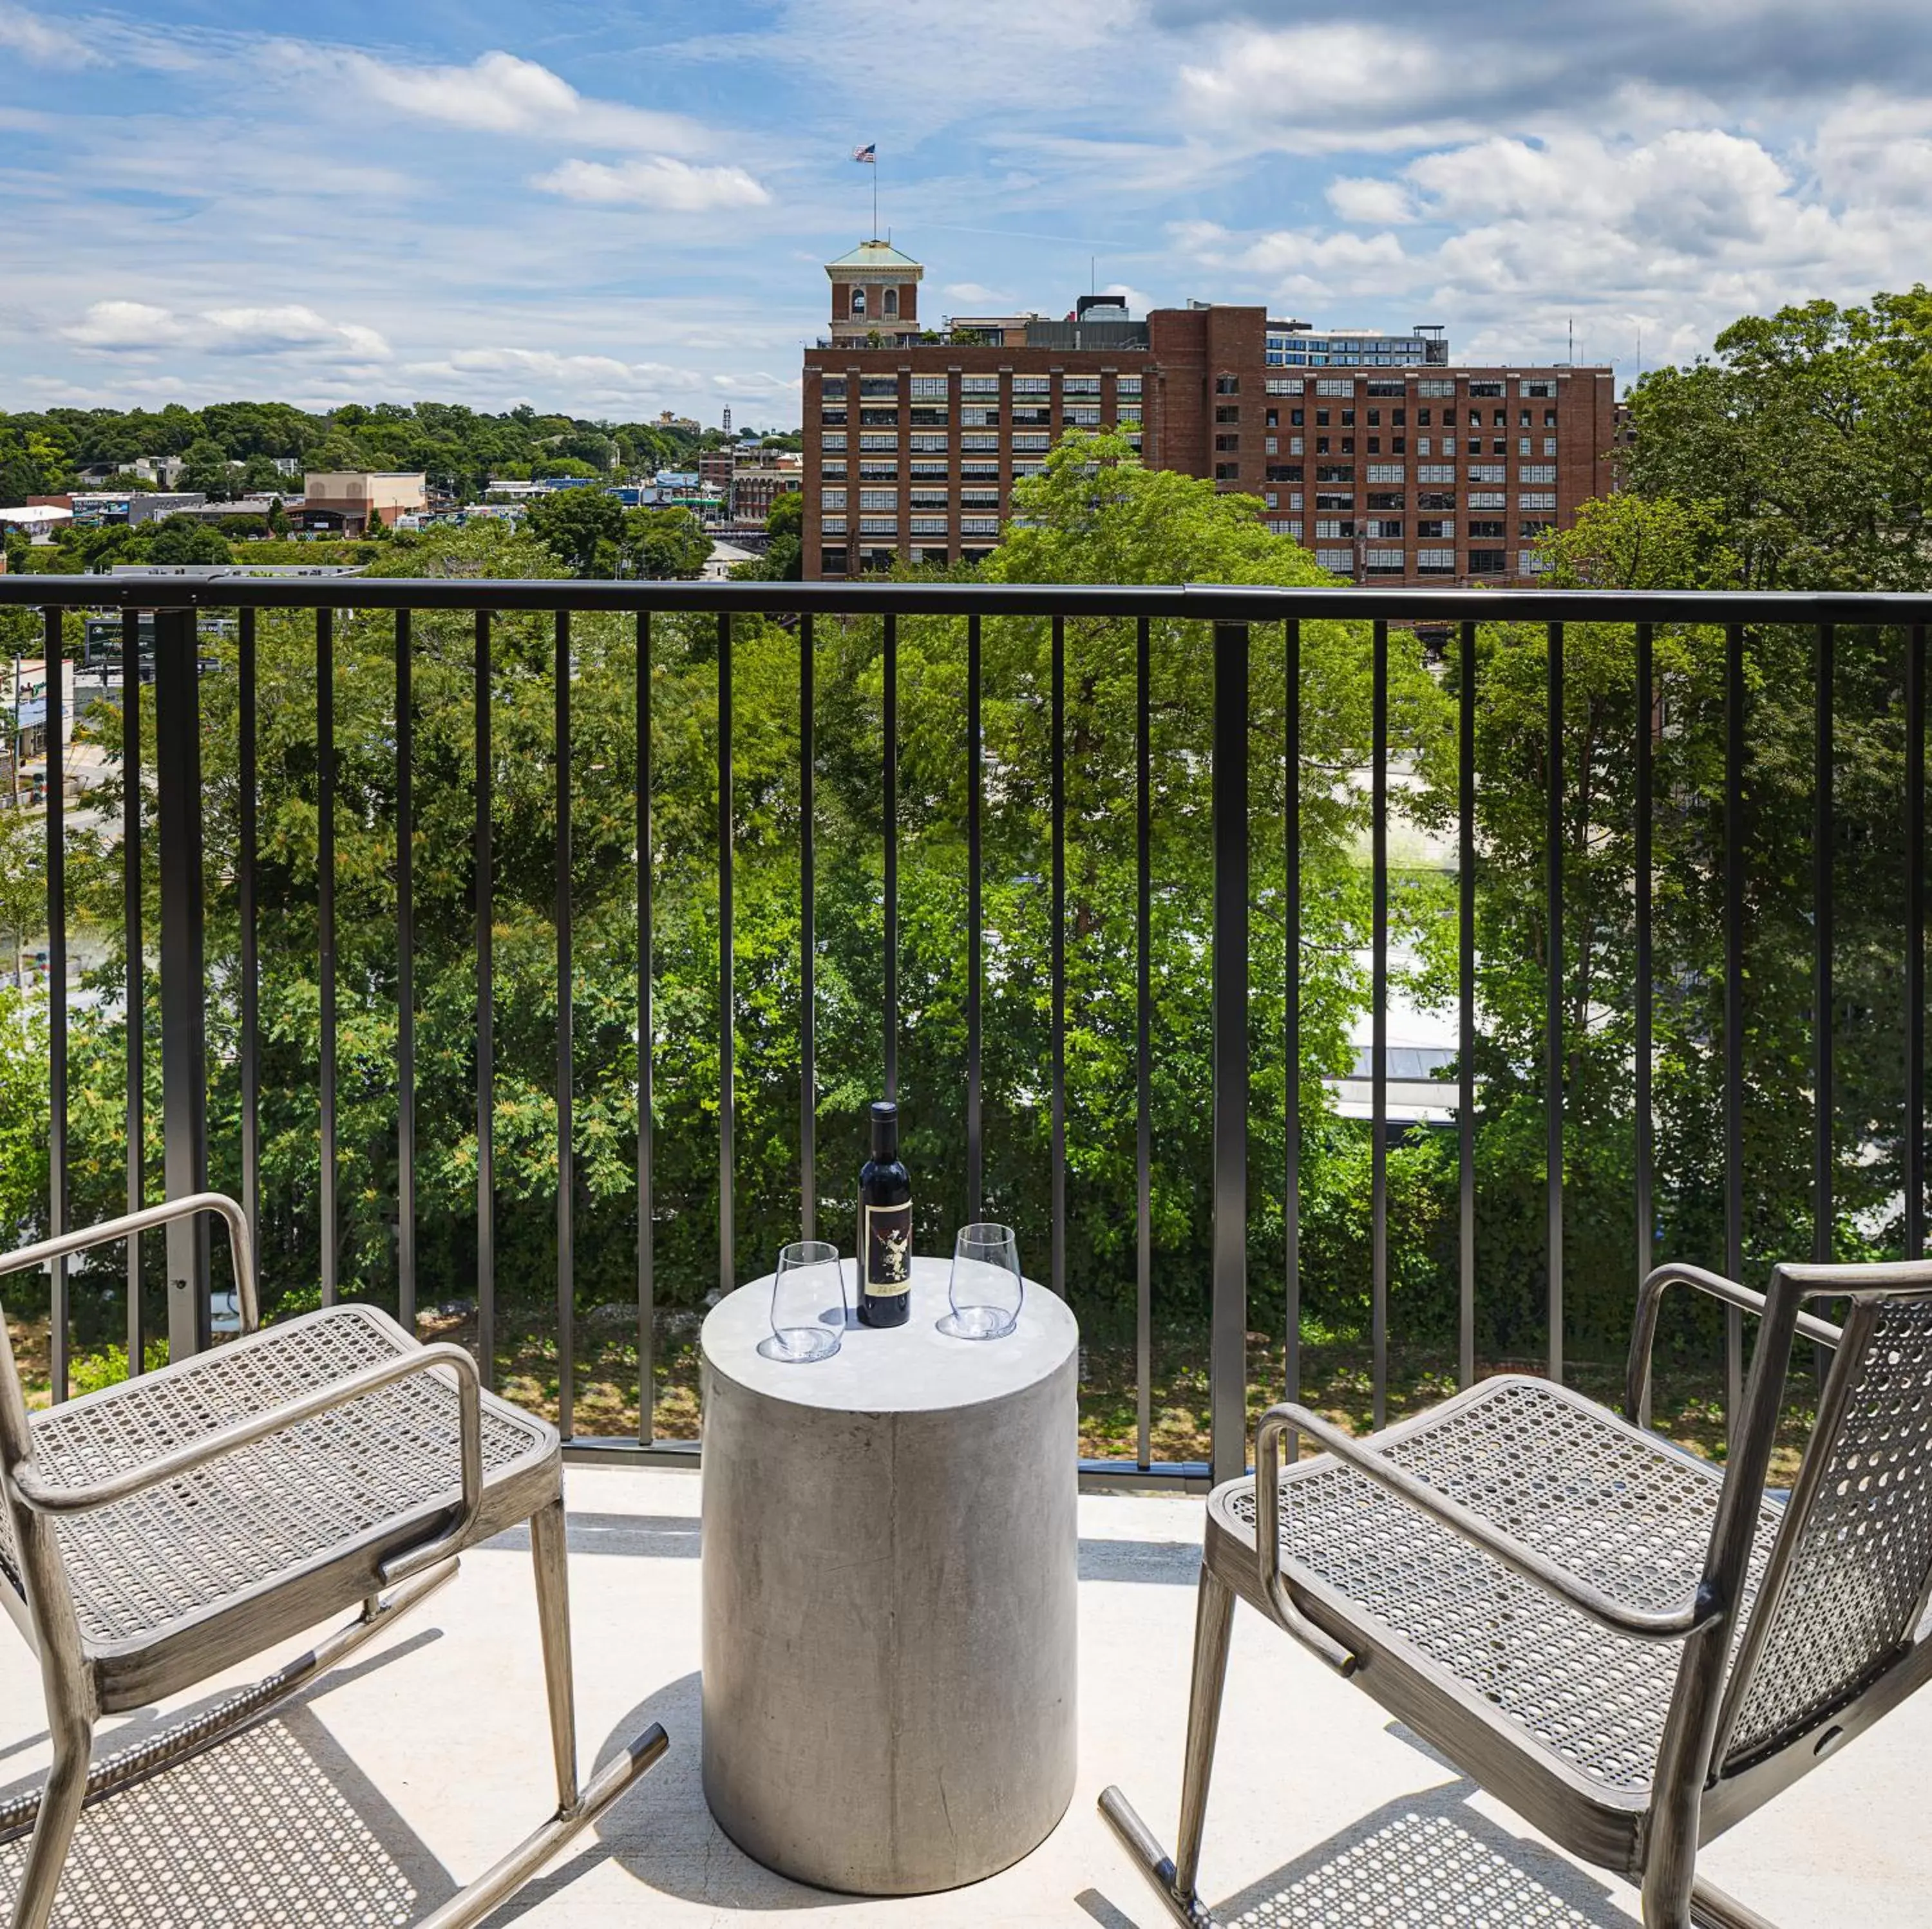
(339, 1493)
(1621, 1508)
(1632, 1647)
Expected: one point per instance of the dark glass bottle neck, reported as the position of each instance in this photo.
(885, 1135)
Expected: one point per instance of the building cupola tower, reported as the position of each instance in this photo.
(874, 295)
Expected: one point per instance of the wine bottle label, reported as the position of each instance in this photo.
(888, 1248)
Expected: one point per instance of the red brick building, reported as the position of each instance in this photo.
(1370, 450)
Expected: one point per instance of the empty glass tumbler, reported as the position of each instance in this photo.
(808, 1303)
(987, 1287)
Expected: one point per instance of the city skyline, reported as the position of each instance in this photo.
(608, 214)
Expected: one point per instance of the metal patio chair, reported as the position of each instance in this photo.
(1631, 1647)
(164, 1530)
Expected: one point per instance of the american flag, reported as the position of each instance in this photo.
(869, 153)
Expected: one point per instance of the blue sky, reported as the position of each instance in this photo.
(616, 208)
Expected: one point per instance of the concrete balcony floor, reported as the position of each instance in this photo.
(411, 1769)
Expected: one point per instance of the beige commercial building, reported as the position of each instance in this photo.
(352, 498)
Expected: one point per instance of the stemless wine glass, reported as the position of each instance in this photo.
(808, 1283)
(986, 1288)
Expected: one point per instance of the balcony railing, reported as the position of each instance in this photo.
(1267, 726)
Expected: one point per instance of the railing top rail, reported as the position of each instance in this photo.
(1202, 602)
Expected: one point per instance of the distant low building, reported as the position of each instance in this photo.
(724, 558)
(151, 505)
(349, 500)
(759, 477)
(163, 471)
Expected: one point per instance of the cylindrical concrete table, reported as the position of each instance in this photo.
(890, 1570)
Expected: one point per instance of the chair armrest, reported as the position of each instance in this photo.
(46, 1496)
(1643, 1332)
(1697, 1611)
(131, 1225)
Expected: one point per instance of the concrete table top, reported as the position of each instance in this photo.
(890, 1570)
(910, 1369)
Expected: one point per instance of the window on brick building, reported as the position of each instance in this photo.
(1227, 471)
(1347, 417)
(1549, 418)
(1227, 385)
(1294, 415)
(1375, 445)
(1273, 419)
(1231, 413)
(1489, 562)
(1227, 441)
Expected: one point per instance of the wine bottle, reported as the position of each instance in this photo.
(885, 1225)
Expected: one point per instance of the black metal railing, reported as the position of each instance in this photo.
(1229, 616)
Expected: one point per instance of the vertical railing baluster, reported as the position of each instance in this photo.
(1914, 941)
(1552, 1094)
(1290, 1212)
(1143, 1053)
(566, 1166)
(135, 977)
(727, 1028)
(247, 907)
(890, 776)
(486, 1015)
(1227, 1364)
(1379, 1019)
(808, 932)
(976, 911)
(406, 983)
(1734, 1015)
(325, 887)
(646, 1053)
(1057, 953)
(1823, 994)
(58, 1337)
(1466, 1012)
(177, 838)
(1644, 748)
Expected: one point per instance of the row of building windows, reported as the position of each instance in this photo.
(1428, 387)
(835, 388)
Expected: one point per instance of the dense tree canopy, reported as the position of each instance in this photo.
(459, 449)
(1711, 504)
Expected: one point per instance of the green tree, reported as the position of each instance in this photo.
(665, 542)
(580, 527)
(783, 558)
(178, 540)
(1810, 433)
(207, 470)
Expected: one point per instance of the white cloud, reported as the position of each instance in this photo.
(594, 377)
(498, 93)
(41, 42)
(977, 293)
(139, 327)
(655, 181)
(1371, 203)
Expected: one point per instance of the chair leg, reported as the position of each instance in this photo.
(1174, 1881)
(550, 1556)
(1214, 1625)
(1710, 1908)
(61, 1799)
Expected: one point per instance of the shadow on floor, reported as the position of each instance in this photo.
(676, 1537)
(1419, 1862)
(277, 1825)
(662, 1834)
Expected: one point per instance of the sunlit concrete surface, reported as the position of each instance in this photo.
(407, 1772)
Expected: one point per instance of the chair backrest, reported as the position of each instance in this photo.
(1850, 1576)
